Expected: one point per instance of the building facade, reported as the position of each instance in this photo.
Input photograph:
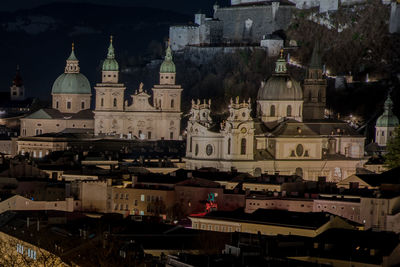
(281, 139)
(140, 119)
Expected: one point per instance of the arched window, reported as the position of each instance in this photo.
(172, 103)
(229, 146)
(102, 102)
(191, 144)
(243, 146)
(115, 102)
(272, 111)
(289, 111)
(159, 103)
(57, 104)
(82, 105)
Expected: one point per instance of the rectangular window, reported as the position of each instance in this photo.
(69, 105)
(135, 202)
(57, 104)
(148, 198)
(142, 198)
(149, 135)
(171, 135)
(83, 105)
(116, 196)
(126, 196)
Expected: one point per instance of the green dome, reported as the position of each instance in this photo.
(110, 64)
(168, 66)
(388, 119)
(280, 86)
(71, 83)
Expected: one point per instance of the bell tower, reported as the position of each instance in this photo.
(167, 95)
(110, 93)
(17, 90)
(314, 88)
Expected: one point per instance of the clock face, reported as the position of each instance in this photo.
(243, 130)
(209, 150)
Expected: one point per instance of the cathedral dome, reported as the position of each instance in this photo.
(280, 86)
(168, 66)
(71, 81)
(388, 119)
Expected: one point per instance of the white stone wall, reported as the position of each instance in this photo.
(29, 127)
(273, 46)
(181, 36)
(138, 124)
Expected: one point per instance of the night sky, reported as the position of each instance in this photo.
(184, 6)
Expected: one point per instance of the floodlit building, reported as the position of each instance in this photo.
(288, 136)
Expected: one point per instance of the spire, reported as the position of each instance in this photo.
(168, 65)
(280, 65)
(72, 57)
(110, 64)
(72, 62)
(18, 79)
(168, 55)
(316, 61)
(111, 53)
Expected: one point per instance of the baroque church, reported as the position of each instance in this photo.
(288, 136)
(113, 115)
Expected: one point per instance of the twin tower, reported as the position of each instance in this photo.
(130, 118)
(136, 117)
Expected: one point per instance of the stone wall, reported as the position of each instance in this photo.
(394, 24)
(203, 55)
(251, 23)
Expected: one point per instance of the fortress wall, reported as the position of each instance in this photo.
(251, 23)
(203, 55)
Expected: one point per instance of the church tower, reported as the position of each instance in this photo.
(17, 90)
(110, 93)
(386, 124)
(314, 88)
(167, 95)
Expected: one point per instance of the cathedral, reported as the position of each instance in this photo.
(288, 136)
(113, 114)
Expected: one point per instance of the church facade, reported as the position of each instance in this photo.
(289, 135)
(113, 114)
(138, 118)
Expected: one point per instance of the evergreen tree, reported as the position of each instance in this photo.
(392, 158)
